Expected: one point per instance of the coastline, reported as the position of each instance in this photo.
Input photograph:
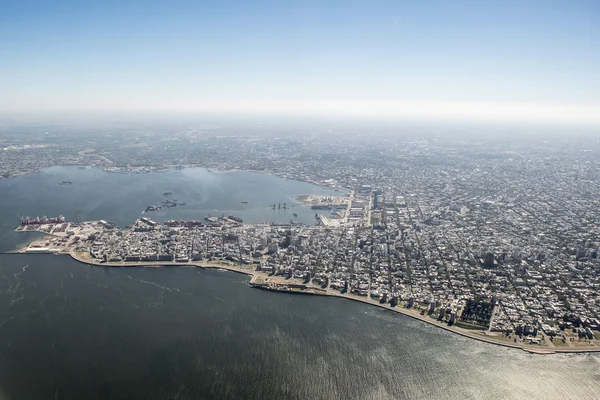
(252, 273)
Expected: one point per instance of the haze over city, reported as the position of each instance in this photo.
(530, 61)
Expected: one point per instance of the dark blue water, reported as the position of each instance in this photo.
(72, 331)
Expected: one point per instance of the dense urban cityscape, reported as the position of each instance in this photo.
(300, 199)
(495, 232)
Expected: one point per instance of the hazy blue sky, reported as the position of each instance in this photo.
(420, 57)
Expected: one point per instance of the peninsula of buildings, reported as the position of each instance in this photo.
(372, 246)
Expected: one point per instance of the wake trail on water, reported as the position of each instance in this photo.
(17, 289)
(154, 284)
(16, 316)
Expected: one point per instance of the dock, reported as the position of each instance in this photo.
(280, 285)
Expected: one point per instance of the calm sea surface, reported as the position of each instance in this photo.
(72, 331)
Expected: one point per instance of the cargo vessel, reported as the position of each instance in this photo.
(43, 220)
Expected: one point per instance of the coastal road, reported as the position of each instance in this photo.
(250, 271)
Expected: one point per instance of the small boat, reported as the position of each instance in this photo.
(244, 202)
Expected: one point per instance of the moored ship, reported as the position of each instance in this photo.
(178, 223)
(235, 218)
(43, 220)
